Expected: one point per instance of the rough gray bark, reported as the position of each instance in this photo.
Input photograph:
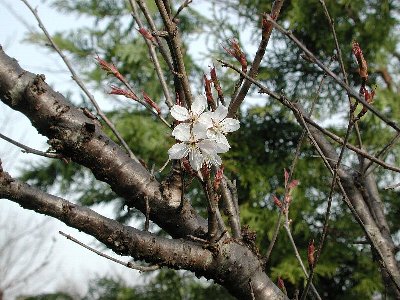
(79, 138)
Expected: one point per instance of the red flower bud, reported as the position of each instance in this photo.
(205, 171)
(286, 175)
(146, 34)
(362, 63)
(235, 51)
(277, 201)
(150, 102)
(267, 25)
(119, 91)
(110, 68)
(293, 184)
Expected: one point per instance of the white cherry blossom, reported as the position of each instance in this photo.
(182, 114)
(201, 134)
(199, 150)
(218, 125)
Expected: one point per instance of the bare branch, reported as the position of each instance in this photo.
(352, 195)
(229, 205)
(78, 80)
(181, 7)
(153, 56)
(125, 264)
(126, 240)
(345, 86)
(175, 45)
(235, 104)
(76, 136)
(31, 150)
(264, 89)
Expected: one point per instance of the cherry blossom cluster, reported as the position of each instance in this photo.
(201, 133)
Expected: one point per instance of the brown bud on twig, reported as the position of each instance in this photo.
(217, 85)
(267, 25)
(362, 63)
(146, 34)
(281, 285)
(235, 51)
(218, 177)
(150, 102)
(310, 254)
(207, 89)
(277, 201)
(110, 69)
(119, 91)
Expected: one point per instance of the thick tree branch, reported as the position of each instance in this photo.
(74, 135)
(233, 265)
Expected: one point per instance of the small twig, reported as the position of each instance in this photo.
(144, 103)
(385, 149)
(126, 264)
(342, 67)
(183, 5)
(291, 171)
(175, 45)
(31, 150)
(212, 210)
(241, 94)
(79, 82)
(156, 33)
(297, 254)
(391, 187)
(349, 90)
(233, 216)
(147, 207)
(337, 139)
(220, 221)
(328, 209)
(153, 55)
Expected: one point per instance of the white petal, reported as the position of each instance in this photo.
(182, 132)
(222, 147)
(196, 159)
(221, 139)
(230, 125)
(199, 104)
(220, 113)
(212, 134)
(180, 113)
(199, 131)
(206, 119)
(211, 146)
(178, 151)
(215, 160)
(208, 146)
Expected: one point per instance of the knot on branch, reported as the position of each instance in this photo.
(38, 85)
